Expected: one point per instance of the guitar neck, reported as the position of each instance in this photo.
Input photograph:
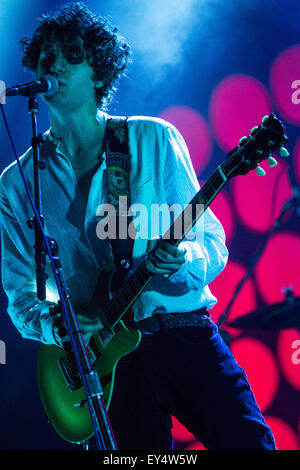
(134, 286)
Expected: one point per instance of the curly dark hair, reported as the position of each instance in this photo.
(105, 50)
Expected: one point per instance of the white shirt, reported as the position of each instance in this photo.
(161, 173)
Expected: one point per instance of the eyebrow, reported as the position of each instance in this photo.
(49, 46)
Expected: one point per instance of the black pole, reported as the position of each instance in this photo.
(40, 257)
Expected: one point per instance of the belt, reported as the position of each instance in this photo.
(162, 321)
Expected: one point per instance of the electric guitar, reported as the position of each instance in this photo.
(60, 387)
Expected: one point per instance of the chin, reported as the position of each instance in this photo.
(54, 99)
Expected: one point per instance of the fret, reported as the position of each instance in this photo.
(140, 275)
(133, 285)
(211, 188)
(201, 197)
(115, 309)
(126, 296)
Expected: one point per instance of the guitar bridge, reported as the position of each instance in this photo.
(106, 335)
(69, 369)
(70, 372)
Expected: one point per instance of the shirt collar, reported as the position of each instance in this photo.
(56, 142)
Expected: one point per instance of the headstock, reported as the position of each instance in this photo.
(258, 146)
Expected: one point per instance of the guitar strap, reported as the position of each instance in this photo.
(117, 173)
(118, 184)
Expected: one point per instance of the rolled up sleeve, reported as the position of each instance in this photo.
(30, 316)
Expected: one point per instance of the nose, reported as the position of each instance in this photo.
(57, 63)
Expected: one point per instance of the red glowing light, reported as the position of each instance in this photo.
(195, 446)
(238, 103)
(284, 435)
(279, 267)
(223, 288)
(288, 347)
(259, 199)
(285, 83)
(195, 132)
(260, 366)
(222, 208)
(179, 432)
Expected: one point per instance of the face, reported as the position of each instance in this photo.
(76, 85)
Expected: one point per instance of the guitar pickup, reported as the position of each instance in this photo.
(106, 333)
(70, 372)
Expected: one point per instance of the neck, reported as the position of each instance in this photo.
(80, 134)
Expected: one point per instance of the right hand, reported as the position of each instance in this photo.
(88, 327)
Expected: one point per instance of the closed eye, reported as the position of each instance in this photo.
(47, 58)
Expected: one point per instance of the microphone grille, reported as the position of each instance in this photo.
(52, 84)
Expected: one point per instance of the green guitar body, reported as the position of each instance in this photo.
(71, 421)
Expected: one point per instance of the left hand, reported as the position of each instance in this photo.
(164, 260)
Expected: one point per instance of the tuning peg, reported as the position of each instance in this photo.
(243, 139)
(254, 129)
(283, 152)
(260, 171)
(264, 119)
(272, 161)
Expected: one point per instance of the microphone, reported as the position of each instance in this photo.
(47, 85)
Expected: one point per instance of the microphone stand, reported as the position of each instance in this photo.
(102, 429)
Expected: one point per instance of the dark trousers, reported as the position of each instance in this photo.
(191, 374)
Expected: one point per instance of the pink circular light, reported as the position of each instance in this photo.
(285, 83)
(260, 366)
(284, 435)
(222, 208)
(288, 347)
(179, 432)
(259, 199)
(279, 267)
(194, 129)
(223, 287)
(238, 103)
